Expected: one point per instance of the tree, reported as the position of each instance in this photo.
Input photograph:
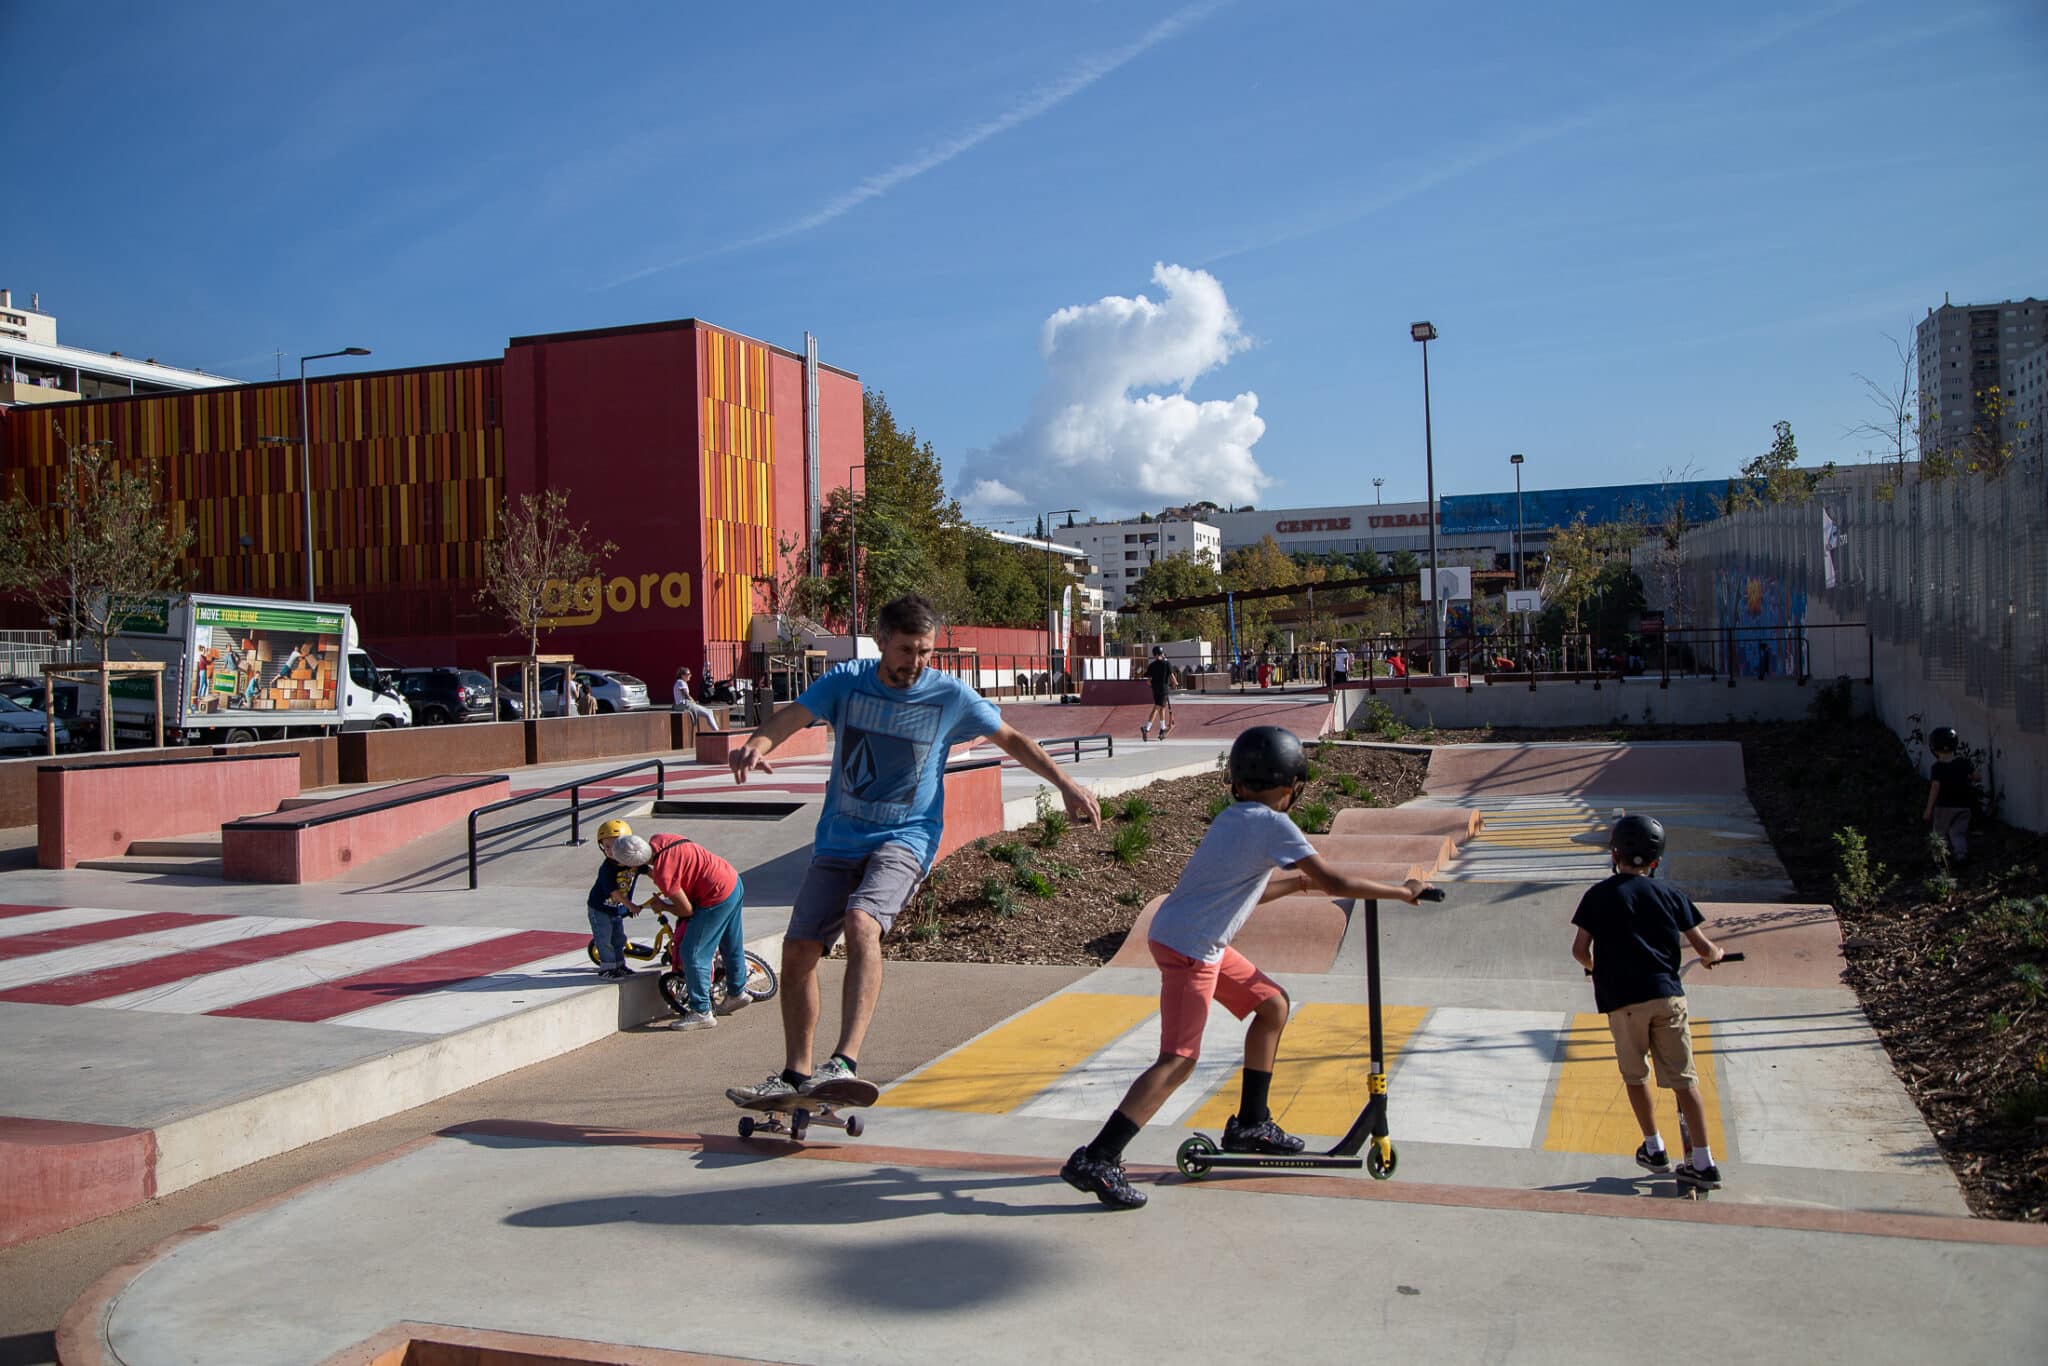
(540, 568)
(1006, 584)
(911, 534)
(107, 554)
(1985, 448)
(1179, 575)
(1898, 427)
(1773, 477)
(1590, 565)
(1264, 565)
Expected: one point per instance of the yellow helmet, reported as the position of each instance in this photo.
(611, 830)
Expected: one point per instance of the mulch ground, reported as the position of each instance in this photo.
(1069, 895)
(1951, 963)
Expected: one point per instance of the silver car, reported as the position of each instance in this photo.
(22, 729)
(614, 691)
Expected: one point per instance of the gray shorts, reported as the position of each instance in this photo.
(880, 884)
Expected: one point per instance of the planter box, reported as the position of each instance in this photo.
(562, 739)
(389, 756)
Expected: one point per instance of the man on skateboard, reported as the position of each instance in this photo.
(894, 721)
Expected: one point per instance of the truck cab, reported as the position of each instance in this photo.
(370, 700)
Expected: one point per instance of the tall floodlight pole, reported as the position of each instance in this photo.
(1047, 527)
(1516, 461)
(1377, 485)
(306, 455)
(1426, 333)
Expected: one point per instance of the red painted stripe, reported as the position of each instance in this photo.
(6, 911)
(155, 972)
(366, 989)
(123, 927)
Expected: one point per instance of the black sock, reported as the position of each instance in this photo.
(1256, 1087)
(1108, 1146)
(794, 1077)
(851, 1065)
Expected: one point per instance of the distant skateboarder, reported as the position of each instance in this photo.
(894, 721)
(1160, 675)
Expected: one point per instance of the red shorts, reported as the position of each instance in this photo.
(1187, 985)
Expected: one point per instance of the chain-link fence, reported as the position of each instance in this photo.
(1951, 577)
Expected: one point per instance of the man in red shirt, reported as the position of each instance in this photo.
(708, 895)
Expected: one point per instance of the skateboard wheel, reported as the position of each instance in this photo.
(746, 1126)
(1381, 1159)
(854, 1126)
(1193, 1157)
(799, 1124)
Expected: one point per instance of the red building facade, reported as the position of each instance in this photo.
(681, 443)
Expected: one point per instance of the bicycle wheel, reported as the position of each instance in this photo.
(762, 983)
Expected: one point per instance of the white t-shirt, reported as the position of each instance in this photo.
(1225, 877)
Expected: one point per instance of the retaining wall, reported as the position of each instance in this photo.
(1637, 702)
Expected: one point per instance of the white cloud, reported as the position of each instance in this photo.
(1102, 436)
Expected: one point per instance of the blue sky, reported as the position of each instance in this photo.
(1645, 233)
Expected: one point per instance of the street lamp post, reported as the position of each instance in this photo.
(306, 455)
(1426, 333)
(1048, 593)
(1377, 485)
(1516, 461)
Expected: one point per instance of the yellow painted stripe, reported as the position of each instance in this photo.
(1591, 1114)
(1325, 1056)
(1012, 1063)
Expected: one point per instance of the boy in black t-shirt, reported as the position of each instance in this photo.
(1951, 793)
(1160, 675)
(1631, 935)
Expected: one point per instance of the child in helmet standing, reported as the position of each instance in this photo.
(1951, 793)
(1631, 929)
(707, 894)
(1229, 874)
(610, 902)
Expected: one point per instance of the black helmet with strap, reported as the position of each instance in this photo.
(1637, 841)
(1265, 757)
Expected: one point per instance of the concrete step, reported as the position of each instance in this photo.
(198, 866)
(195, 846)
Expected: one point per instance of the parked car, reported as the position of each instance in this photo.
(445, 696)
(28, 692)
(22, 729)
(614, 691)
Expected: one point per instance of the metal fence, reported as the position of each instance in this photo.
(1953, 572)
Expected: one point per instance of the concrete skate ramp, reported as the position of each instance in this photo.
(1459, 824)
(1427, 852)
(1221, 721)
(1689, 768)
(1293, 934)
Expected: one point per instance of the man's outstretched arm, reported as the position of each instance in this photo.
(1080, 802)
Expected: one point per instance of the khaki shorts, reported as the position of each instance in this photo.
(1653, 1031)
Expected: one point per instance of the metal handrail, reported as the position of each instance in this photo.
(1108, 744)
(659, 787)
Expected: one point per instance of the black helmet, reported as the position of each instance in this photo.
(1944, 739)
(1267, 756)
(1637, 841)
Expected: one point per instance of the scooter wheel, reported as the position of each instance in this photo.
(1381, 1159)
(1193, 1157)
(854, 1125)
(746, 1126)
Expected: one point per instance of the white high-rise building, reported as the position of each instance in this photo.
(1122, 551)
(1966, 350)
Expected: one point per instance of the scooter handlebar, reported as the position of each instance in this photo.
(1430, 894)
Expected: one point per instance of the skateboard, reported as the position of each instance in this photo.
(1690, 1187)
(795, 1114)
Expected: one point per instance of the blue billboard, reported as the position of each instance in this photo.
(1551, 508)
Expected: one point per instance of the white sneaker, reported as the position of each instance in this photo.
(695, 1019)
(830, 1070)
(734, 1000)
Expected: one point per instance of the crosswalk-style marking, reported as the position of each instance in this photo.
(474, 1002)
(1590, 1112)
(1012, 1063)
(37, 921)
(1319, 1081)
(1478, 1076)
(102, 956)
(1092, 1089)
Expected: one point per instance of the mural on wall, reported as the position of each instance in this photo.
(1765, 619)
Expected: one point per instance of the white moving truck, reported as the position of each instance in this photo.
(240, 669)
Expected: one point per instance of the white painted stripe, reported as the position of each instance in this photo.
(232, 986)
(63, 919)
(1476, 1076)
(113, 953)
(1817, 1091)
(478, 1000)
(1092, 1090)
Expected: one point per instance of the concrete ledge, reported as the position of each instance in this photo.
(1427, 852)
(716, 746)
(1292, 934)
(55, 1175)
(92, 812)
(563, 739)
(682, 726)
(314, 843)
(1460, 825)
(390, 756)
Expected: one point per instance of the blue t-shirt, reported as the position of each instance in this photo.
(888, 765)
(1225, 877)
(1638, 927)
